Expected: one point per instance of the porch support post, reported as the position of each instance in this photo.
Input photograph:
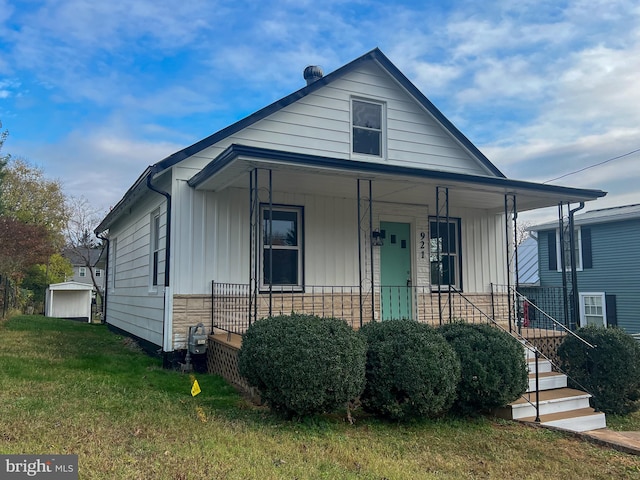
(510, 216)
(359, 251)
(270, 243)
(254, 225)
(440, 210)
(563, 264)
(362, 264)
(373, 297)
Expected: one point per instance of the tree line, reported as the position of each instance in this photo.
(40, 227)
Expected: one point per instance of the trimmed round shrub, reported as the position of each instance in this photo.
(412, 371)
(494, 371)
(303, 364)
(610, 371)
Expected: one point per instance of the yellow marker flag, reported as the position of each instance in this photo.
(195, 388)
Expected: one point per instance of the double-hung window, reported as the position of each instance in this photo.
(367, 128)
(82, 271)
(593, 309)
(282, 248)
(577, 244)
(444, 252)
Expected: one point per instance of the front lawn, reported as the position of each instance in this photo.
(68, 387)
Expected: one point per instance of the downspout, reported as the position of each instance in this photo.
(106, 279)
(167, 255)
(574, 274)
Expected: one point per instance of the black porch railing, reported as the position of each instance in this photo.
(233, 310)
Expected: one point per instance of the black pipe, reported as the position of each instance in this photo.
(574, 273)
(106, 279)
(167, 250)
(167, 256)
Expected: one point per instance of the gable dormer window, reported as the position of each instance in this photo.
(367, 127)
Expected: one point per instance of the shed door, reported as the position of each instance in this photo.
(395, 271)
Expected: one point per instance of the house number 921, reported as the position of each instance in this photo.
(423, 237)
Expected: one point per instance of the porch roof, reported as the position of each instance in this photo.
(305, 173)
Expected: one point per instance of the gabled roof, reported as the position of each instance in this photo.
(71, 286)
(374, 55)
(78, 259)
(602, 215)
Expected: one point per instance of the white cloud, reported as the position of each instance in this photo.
(99, 163)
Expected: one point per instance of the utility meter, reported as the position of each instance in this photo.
(197, 341)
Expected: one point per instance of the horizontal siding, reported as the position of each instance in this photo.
(133, 305)
(319, 124)
(616, 263)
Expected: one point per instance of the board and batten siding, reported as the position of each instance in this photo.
(134, 305)
(320, 124)
(212, 240)
(484, 252)
(615, 255)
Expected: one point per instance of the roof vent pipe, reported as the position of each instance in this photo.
(312, 73)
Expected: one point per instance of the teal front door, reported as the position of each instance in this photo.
(395, 270)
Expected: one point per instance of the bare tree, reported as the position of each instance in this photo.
(523, 231)
(80, 239)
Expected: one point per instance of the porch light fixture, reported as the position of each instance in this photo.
(376, 238)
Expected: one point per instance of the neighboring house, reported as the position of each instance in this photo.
(353, 197)
(528, 261)
(607, 265)
(81, 272)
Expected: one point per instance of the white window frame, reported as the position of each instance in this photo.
(299, 286)
(559, 246)
(154, 250)
(98, 272)
(582, 296)
(383, 128)
(82, 272)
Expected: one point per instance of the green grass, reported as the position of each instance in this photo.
(69, 387)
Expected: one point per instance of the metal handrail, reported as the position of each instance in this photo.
(556, 323)
(538, 353)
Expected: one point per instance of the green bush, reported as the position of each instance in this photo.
(302, 364)
(411, 370)
(610, 371)
(494, 371)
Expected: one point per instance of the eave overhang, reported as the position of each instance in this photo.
(231, 166)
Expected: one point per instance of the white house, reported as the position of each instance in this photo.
(353, 197)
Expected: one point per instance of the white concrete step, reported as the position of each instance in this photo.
(551, 401)
(547, 381)
(543, 365)
(581, 420)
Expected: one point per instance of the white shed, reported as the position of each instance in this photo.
(69, 300)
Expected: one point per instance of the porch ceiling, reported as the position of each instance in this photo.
(337, 178)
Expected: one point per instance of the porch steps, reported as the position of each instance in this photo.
(560, 407)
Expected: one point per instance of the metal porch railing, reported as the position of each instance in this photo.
(234, 311)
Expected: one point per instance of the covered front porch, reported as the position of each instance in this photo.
(364, 241)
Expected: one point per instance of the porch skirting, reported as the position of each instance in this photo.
(222, 359)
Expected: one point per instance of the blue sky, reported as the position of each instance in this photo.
(93, 92)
